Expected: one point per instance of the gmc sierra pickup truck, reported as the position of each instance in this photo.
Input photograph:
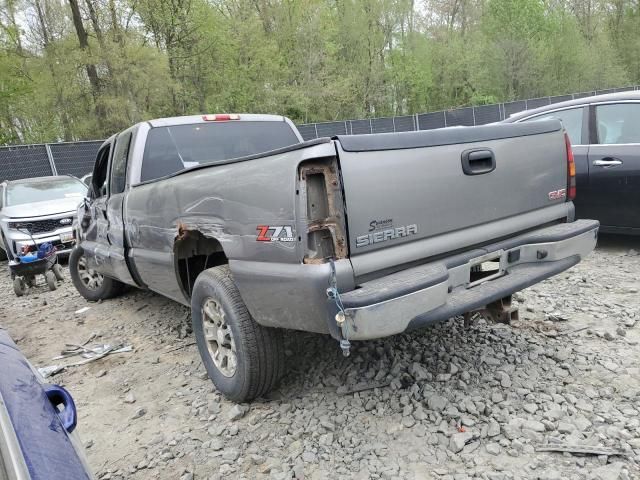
(359, 237)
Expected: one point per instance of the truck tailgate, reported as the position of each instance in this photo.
(406, 187)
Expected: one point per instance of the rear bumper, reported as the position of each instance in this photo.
(431, 293)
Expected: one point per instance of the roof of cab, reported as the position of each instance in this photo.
(189, 119)
(609, 97)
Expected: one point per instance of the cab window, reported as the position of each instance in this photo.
(618, 123)
(99, 177)
(571, 119)
(119, 163)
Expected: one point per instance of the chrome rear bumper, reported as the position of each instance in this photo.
(435, 292)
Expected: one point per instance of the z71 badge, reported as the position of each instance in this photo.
(385, 235)
(275, 233)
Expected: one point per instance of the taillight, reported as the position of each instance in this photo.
(220, 117)
(571, 169)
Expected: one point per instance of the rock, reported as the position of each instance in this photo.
(564, 427)
(213, 407)
(101, 373)
(139, 413)
(437, 402)
(533, 425)
(621, 331)
(443, 377)
(493, 448)
(309, 457)
(608, 336)
(459, 440)
(130, 398)
(494, 429)
(237, 412)
(419, 372)
(504, 379)
(608, 472)
(530, 408)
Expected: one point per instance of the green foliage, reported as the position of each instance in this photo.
(312, 60)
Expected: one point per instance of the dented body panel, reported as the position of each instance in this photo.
(396, 223)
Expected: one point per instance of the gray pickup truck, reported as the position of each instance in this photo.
(359, 237)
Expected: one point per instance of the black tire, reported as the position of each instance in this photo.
(3, 254)
(19, 286)
(57, 271)
(50, 277)
(108, 288)
(259, 350)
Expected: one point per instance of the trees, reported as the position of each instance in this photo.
(81, 69)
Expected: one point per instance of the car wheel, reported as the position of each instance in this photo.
(19, 286)
(242, 358)
(50, 277)
(90, 284)
(57, 271)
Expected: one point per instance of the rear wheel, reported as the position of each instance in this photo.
(19, 286)
(50, 277)
(57, 271)
(243, 359)
(90, 284)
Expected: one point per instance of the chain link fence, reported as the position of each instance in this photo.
(77, 158)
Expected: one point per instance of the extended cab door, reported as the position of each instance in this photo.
(614, 165)
(104, 243)
(115, 237)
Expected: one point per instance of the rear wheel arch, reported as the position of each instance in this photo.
(195, 252)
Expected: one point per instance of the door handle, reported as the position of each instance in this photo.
(58, 395)
(607, 162)
(478, 161)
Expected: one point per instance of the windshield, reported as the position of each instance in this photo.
(172, 149)
(46, 190)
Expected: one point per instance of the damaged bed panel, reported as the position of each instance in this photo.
(321, 193)
(244, 210)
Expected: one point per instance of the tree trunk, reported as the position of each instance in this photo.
(92, 71)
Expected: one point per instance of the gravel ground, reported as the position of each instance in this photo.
(445, 402)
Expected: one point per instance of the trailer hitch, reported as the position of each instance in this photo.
(500, 311)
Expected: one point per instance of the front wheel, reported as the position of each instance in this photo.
(19, 286)
(90, 284)
(243, 359)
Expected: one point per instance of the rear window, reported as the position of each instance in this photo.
(172, 149)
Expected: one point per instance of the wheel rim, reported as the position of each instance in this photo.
(89, 277)
(220, 342)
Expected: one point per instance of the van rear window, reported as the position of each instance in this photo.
(175, 148)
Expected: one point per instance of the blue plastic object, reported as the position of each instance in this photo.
(45, 249)
(58, 395)
(29, 257)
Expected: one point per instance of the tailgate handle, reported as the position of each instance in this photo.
(478, 161)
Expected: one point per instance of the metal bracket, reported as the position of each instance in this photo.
(501, 311)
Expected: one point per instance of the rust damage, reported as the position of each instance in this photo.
(321, 187)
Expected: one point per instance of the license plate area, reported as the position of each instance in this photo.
(485, 268)
(66, 237)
